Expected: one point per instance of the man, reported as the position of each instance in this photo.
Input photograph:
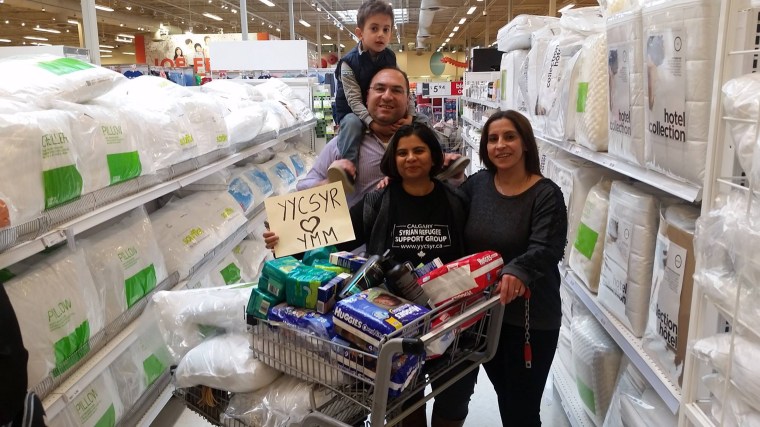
(387, 103)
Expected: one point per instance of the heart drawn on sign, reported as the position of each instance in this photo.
(309, 225)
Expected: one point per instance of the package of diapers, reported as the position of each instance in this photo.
(207, 122)
(625, 59)
(304, 320)
(511, 64)
(672, 281)
(108, 150)
(587, 249)
(592, 94)
(189, 228)
(42, 167)
(517, 33)
(97, 405)
(142, 363)
(276, 272)
(224, 362)
(125, 262)
(228, 272)
(635, 403)
(302, 285)
(367, 318)
(679, 52)
(597, 360)
(41, 78)
(57, 308)
(404, 367)
(741, 100)
(629, 244)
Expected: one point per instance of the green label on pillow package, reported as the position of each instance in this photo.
(230, 274)
(153, 369)
(60, 178)
(580, 104)
(64, 66)
(108, 419)
(71, 348)
(140, 284)
(123, 166)
(6, 275)
(585, 241)
(587, 396)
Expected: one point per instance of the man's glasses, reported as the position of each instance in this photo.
(381, 89)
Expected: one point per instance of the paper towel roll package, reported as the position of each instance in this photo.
(625, 53)
(587, 249)
(629, 243)
(679, 50)
(125, 262)
(672, 281)
(57, 309)
(592, 94)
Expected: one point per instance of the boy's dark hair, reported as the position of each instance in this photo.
(524, 129)
(388, 163)
(370, 8)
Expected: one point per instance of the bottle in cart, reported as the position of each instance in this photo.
(368, 276)
(401, 280)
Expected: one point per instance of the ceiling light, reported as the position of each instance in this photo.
(41, 44)
(103, 8)
(454, 51)
(342, 45)
(448, 39)
(23, 24)
(107, 46)
(106, 56)
(566, 8)
(36, 38)
(456, 29)
(129, 7)
(451, 34)
(319, 9)
(106, 50)
(4, 41)
(304, 23)
(43, 9)
(234, 10)
(121, 24)
(46, 30)
(279, 30)
(326, 37)
(443, 44)
(267, 2)
(461, 21)
(118, 40)
(471, 10)
(128, 53)
(6, 21)
(70, 21)
(212, 16)
(126, 36)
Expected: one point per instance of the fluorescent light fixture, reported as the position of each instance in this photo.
(5, 41)
(461, 21)
(566, 8)
(401, 50)
(128, 53)
(267, 2)
(106, 50)
(108, 46)
(456, 29)
(73, 21)
(118, 40)
(326, 37)
(212, 16)
(126, 36)
(279, 30)
(128, 8)
(103, 8)
(471, 10)
(455, 51)
(451, 34)
(342, 45)
(443, 44)
(106, 56)
(234, 10)
(41, 44)
(304, 23)
(42, 39)
(448, 39)
(46, 30)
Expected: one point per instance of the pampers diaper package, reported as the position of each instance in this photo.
(366, 318)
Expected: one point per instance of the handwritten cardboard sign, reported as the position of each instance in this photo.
(309, 219)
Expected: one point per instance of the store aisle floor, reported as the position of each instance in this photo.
(483, 410)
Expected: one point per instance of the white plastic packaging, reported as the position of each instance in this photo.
(587, 249)
(716, 350)
(635, 403)
(742, 100)
(245, 124)
(593, 102)
(280, 175)
(517, 33)
(251, 256)
(207, 122)
(228, 272)
(97, 405)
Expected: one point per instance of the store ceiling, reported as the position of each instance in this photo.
(19, 19)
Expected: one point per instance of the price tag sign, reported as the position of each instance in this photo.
(456, 88)
(425, 89)
(440, 89)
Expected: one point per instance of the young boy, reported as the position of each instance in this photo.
(374, 22)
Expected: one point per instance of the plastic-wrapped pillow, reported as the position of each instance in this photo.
(517, 33)
(246, 123)
(41, 164)
(275, 89)
(97, 405)
(251, 255)
(224, 362)
(635, 403)
(281, 176)
(250, 186)
(41, 78)
(743, 363)
(208, 125)
(741, 99)
(277, 109)
(12, 106)
(228, 272)
(593, 102)
(232, 90)
(587, 249)
(125, 262)
(738, 413)
(57, 309)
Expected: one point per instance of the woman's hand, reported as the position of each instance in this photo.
(271, 239)
(509, 288)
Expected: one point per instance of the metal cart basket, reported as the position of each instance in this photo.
(353, 393)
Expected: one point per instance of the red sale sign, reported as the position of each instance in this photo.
(456, 88)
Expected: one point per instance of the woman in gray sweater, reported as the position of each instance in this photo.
(517, 212)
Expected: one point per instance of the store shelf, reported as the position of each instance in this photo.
(100, 361)
(475, 145)
(696, 415)
(678, 188)
(98, 216)
(156, 407)
(490, 104)
(472, 122)
(569, 398)
(631, 345)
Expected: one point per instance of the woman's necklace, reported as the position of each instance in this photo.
(501, 191)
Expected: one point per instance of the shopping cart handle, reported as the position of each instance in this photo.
(413, 346)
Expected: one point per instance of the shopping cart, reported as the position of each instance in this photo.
(449, 137)
(352, 396)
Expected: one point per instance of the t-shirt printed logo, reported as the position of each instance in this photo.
(421, 236)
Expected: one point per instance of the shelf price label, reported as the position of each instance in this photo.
(437, 89)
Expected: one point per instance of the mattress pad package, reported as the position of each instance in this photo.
(41, 78)
(672, 281)
(679, 53)
(629, 244)
(741, 99)
(125, 262)
(575, 177)
(57, 309)
(625, 60)
(42, 167)
(635, 403)
(588, 247)
(597, 360)
(592, 94)
(511, 65)
(516, 35)
(98, 404)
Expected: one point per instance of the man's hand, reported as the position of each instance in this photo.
(346, 165)
(407, 120)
